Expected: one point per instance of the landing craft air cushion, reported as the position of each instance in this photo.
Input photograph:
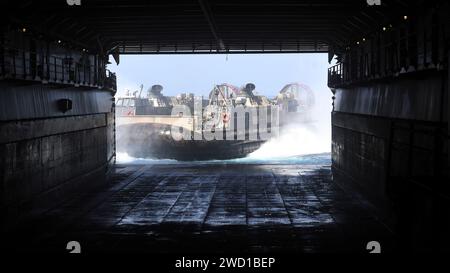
(232, 123)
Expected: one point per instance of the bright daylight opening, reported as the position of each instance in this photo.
(151, 87)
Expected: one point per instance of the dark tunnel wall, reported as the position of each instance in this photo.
(387, 142)
(56, 123)
(367, 120)
(48, 155)
(390, 124)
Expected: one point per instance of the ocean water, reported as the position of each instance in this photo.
(308, 159)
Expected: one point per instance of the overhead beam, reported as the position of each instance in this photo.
(212, 25)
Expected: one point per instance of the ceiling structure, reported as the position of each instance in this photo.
(205, 26)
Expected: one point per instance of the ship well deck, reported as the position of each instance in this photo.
(193, 208)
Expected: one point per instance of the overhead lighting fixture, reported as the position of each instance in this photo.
(405, 17)
(364, 39)
(384, 28)
(24, 30)
(59, 41)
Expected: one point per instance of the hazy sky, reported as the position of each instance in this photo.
(198, 73)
